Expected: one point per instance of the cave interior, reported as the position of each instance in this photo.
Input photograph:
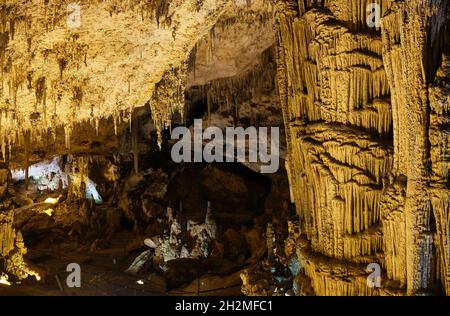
(92, 201)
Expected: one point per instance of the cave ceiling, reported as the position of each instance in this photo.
(59, 71)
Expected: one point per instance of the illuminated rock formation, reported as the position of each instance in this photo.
(365, 108)
(366, 118)
(56, 73)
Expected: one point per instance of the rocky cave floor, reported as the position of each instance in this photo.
(181, 229)
(102, 270)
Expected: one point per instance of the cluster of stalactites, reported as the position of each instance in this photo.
(337, 76)
(229, 92)
(210, 40)
(168, 98)
(384, 206)
(14, 130)
(154, 10)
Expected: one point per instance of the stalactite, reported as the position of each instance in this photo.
(211, 44)
(192, 61)
(97, 126)
(41, 93)
(341, 172)
(168, 98)
(115, 123)
(159, 10)
(229, 92)
(134, 143)
(67, 134)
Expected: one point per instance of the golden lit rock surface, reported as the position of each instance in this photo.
(366, 124)
(56, 74)
(12, 248)
(365, 113)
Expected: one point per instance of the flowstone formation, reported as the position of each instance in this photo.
(366, 117)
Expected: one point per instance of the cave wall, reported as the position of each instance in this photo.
(365, 111)
(12, 247)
